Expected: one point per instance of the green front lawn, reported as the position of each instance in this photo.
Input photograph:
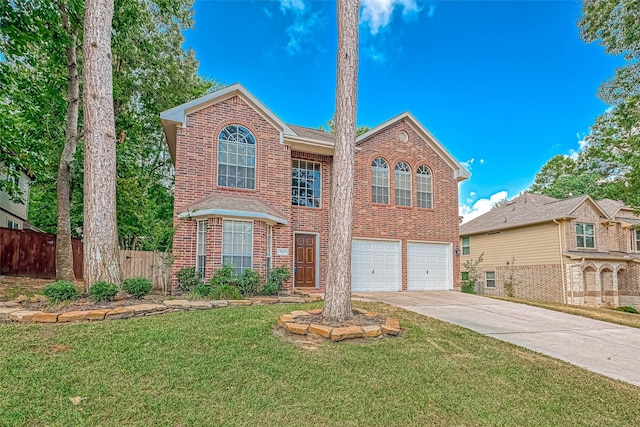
(225, 367)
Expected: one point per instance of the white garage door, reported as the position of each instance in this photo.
(429, 266)
(375, 266)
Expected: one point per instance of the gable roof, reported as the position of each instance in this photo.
(460, 172)
(177, 116)
(611, 207)
(527, 209)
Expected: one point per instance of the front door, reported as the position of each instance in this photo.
(305, 276)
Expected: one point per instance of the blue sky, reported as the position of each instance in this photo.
(503, 85)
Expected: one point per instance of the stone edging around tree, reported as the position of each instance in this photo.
(391, 326)
(13, 313)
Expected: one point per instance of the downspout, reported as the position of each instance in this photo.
(564, 287)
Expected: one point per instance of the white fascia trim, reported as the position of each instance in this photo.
(268, 218)
(460, 173)
(179, 114)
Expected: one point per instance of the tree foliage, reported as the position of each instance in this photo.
(609, 165)
(151, 73)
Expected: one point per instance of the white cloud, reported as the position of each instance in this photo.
(305, 24)
(472, 194)
(467, 165)
(582, 143)
(481, 206)
(481, 161)
(377, 14)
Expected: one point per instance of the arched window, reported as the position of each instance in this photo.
(403, 184)
(380, 181)
(236, 158)
(425, 188)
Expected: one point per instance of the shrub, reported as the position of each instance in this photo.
(249, 282)
(628, 309)
(270, 288)
(201, 290)
(277, 277)
(468, 287)
(225, 292)
(137, 287)
(223, 277)
(60, 291)
(103, 291)
(187, 278)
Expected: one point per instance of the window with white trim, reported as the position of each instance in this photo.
(635, 239)
(490, 279)
(269, 247)
(236, 158)
(201, 248)
(380, 181)
(13, 176)
(466, 245)
(305, 183)
(12, 224)
(585, 235)
(403, 184)
(237, 244)
(425, 187)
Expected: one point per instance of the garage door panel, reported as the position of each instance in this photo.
(375, 265)
(428, 266)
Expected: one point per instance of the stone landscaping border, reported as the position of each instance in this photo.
(11, 312)
(391, 326)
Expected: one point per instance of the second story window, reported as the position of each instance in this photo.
(236, 158)
(466, 246)
(305, 183)
(380, 181)
(635, 239)
(585, 235)
(403, 184)
(425, 193)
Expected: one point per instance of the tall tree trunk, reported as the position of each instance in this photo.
(64, 252)
(101, 252)
(337, 302)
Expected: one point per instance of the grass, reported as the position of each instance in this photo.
(604, 314)
(225, 367)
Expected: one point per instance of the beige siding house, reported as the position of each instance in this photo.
(12, 214)
(576, 251)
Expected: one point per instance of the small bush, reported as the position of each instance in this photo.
(270, 288)
(628, 309)
(225, 292)
(60, 291)
(187, 278)
(223, 277)
(249, 282)
(277, 277)
(137, 287)
(201, 290)
(103, 291)
(468, 287)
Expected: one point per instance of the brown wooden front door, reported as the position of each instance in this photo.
(305, 276)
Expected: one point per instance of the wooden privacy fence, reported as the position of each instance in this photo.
(31, 254)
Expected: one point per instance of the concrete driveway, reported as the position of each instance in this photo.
(601, 347)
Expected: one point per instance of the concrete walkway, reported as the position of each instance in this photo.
(606, 348)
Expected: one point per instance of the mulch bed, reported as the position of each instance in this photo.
(356, 320)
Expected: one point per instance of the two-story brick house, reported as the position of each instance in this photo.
(254, 192)
(577, 251)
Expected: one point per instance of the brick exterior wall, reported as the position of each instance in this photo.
(196, 174)
(535, 282)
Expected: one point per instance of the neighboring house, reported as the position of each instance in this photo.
(13, 214)
(254, 192)
(577, 251)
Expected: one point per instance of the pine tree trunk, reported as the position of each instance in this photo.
(337, 302)
(64, 252)
(101, 252)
